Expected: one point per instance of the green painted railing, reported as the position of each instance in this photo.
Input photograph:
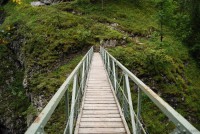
(119, 77)
(73, 102)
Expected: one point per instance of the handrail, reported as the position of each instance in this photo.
(78, 88)
(111, 64)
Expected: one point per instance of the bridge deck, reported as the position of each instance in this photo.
(100, 111)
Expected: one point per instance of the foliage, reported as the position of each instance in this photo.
(13, 99)
(17, 1)
(184, 21)
(56, 36)
(162, 66)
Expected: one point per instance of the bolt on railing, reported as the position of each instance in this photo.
(72, 102)
(119, 77)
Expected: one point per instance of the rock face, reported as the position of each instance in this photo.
(37, 3)
(45, 2)
(113, 42)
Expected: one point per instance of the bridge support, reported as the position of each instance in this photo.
(130, 104)
(72, 107)
(83, 78)
(114, 76)
(138, 110)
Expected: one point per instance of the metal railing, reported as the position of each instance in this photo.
(76, 81)
(119, 77)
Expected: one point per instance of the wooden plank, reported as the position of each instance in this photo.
(102, 119)
(99, 99)
(108, 96)
(101, 130)
(101, 124)
(112, 100)
(100, 108)
(97, 89)
(99, 93)
(101, 116)
(90, 79)
(100, 102)
(100, 105)
(100, 96)
(100, 111)
(98, 82)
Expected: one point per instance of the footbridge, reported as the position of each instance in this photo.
(99, 99)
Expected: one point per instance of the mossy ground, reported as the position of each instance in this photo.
(167, 67)
(54, 35)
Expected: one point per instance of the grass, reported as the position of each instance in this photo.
(55, 37)
(169, 71)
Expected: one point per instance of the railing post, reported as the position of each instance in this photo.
(71, 124)
(67, 108)
(105, 58)
(77, 97)
(114, 75)
(139, 110)
(87, 66)
(103, 53)
(89, 58)
(123, 97)
(130, 104)
(108, 66)
(83, 77)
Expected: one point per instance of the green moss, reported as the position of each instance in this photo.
(50, 82)
(171, 73)
(53, 34)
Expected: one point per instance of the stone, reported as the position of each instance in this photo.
(47, 2)
(114, 24)
(25, 82)
(37, 3)
(113, 43)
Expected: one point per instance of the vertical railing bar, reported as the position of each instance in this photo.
(125, 102)
(78, 90)
(67, 105)
(86, 65)
(123, 89)
(139, 110)
(130, 104)
(83, 76)
(72, 104)
(108, 65)
(88, 62)
(114, 75)
(105, 59)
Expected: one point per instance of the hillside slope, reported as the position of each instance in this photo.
(40, 46)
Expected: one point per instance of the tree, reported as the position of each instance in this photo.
(192, 9)
(166, 9)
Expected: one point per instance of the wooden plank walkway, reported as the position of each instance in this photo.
(100, 112)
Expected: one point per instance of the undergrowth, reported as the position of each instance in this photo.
(55, 37)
